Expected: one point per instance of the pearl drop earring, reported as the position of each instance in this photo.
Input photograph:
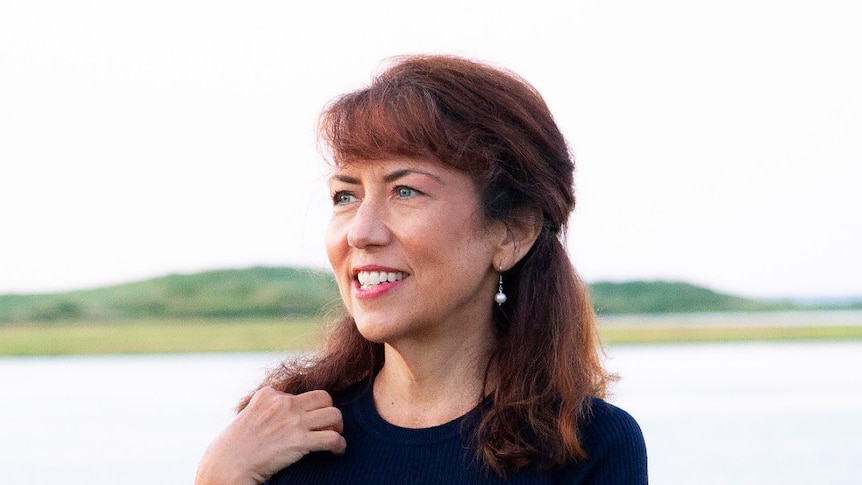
(500, 297)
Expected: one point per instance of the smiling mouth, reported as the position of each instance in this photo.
(370, 279)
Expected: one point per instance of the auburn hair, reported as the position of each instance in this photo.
(493, 125)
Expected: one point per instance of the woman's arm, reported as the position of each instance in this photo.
(274, 431)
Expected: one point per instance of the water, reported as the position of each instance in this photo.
(747, 413)
(786, 413)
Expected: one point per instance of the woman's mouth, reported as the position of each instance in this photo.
(370, 279)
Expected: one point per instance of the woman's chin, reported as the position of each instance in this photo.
(375, 331)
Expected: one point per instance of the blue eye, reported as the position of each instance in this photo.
(342, 198)
(405, 192)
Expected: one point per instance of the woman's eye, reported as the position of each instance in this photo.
(342, 198)
(405, 192)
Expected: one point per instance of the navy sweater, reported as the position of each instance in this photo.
(379, 453)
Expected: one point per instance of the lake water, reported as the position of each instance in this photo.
(788, 413)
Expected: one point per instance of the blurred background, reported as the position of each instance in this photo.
(162, 207)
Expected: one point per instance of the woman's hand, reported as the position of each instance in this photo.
(274, 431)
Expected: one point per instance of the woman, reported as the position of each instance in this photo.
(469, 352)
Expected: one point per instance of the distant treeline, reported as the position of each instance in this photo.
(267, 292)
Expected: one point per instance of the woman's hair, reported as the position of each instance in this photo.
(494, 126)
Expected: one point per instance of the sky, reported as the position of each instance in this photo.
(718, 143)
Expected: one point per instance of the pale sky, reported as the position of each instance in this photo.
(718, 143)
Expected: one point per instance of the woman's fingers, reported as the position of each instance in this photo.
(274, 431)
(323, 419)
(278, 413)
(327, 440)
(311, 400)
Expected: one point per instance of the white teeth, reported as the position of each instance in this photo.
(369, 279)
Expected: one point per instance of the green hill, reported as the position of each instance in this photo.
(241, 293)
(671, 297)
(266, 292)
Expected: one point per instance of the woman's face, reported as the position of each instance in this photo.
(411, 252)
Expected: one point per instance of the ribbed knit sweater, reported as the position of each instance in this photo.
(379, 453)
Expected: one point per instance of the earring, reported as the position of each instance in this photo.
(500, 297)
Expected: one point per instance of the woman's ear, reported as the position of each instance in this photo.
(521, 231)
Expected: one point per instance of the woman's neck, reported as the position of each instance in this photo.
(422, 386)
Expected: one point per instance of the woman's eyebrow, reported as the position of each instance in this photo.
(390, 177)
(397, 174)
(346, 179)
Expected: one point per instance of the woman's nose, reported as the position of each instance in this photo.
(368, 227)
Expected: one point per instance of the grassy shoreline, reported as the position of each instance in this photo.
(617, 335)
(157, 336)
(258, 335)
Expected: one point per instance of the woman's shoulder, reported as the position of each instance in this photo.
(614, 444)
(607, 420)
